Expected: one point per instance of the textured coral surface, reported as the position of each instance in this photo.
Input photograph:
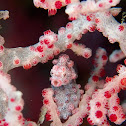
(25, 25)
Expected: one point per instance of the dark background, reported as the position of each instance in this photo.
(24, 27)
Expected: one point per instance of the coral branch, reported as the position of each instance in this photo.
(4, 14)
(49, 45)
(101, 102)
(11, 104)
(116, 56)
(52, 5)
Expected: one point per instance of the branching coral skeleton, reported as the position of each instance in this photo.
(65, 100)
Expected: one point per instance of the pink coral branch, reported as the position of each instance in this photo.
(49, 45)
